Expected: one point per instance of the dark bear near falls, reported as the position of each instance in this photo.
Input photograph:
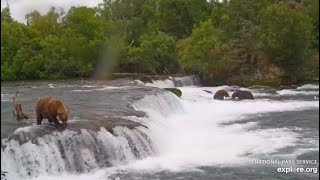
(242, 95)
(53, 110)
(219, 95)
(174, 91)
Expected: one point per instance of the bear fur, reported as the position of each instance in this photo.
(242, 95)
(53, 110)
(219, 95)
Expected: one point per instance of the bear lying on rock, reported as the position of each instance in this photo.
(242, 95)
(53, 110)
(219, 95)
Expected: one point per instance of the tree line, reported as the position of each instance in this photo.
(230, 41)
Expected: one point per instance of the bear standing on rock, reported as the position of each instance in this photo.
(53, 110)
(242, 95)
(219, 95)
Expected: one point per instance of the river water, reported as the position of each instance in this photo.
(127, 129)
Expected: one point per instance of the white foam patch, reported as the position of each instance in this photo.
(88, 86)
(309, 86)
(60, 86)
(101, 89)
(51, 85)
(175, 82)
(293, 92)
(161, 83)
(113, 87)
(138, 82)
(82, 90)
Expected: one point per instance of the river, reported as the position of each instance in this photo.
(126, 129)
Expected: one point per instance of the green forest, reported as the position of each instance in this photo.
(242, 42)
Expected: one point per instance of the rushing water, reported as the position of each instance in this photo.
(125, 129)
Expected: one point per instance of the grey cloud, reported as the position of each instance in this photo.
(19, 8)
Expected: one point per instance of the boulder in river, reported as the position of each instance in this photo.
(175, 91)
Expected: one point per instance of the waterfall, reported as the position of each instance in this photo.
(186, 81)
(176, 82)
(37, 150)
(71, 151)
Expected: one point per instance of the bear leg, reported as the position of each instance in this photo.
(55, 121)
(39, 119)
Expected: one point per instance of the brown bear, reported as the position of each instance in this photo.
(53, 110)
(219, 95)
(242, 95)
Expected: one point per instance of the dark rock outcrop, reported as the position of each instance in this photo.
(175, 91)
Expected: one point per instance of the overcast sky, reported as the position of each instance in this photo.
(19, 8)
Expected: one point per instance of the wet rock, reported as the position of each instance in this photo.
(175, 91)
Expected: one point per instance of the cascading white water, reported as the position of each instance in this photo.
(186, 81)
(175, 82)
(195, 136)
(168, 83)
(164, 103)
(72, 151)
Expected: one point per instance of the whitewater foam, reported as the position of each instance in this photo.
(161, 83)
(294, 92)
(195, 137)
(71, 151)
(309, 86)
(101, 89)
(172, 82)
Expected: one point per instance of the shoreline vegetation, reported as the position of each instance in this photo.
(235, 42)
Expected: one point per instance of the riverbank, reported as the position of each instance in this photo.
(277, 83)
